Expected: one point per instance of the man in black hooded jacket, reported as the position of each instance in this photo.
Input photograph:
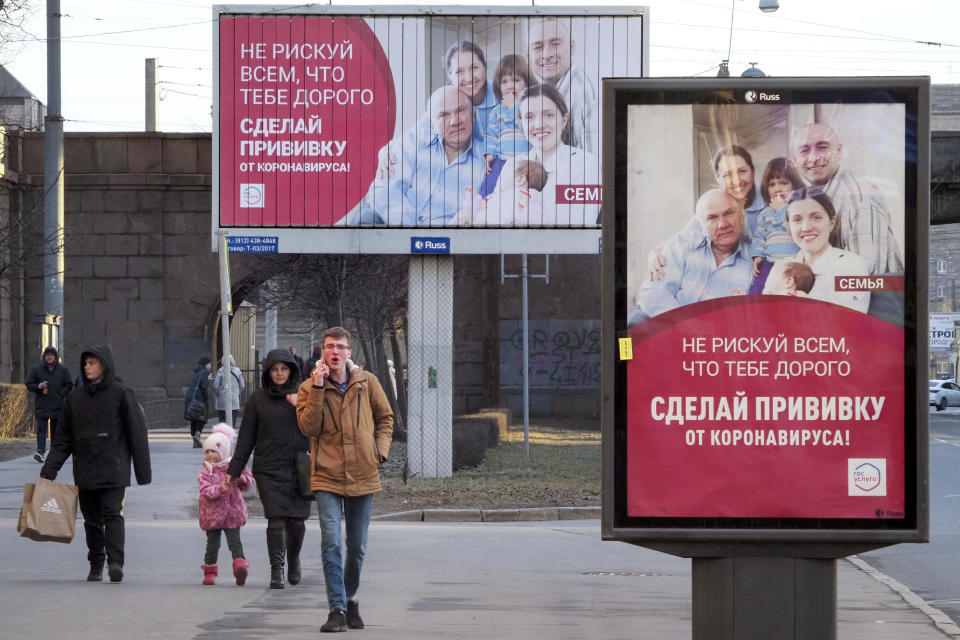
(50, 380)
(102, 426)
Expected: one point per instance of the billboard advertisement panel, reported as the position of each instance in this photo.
(941, 330)
(380, 120)
(766, 304)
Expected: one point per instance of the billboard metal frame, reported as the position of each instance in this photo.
(387, 240)
(716, 537)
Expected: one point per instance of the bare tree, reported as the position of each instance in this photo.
(365, 293)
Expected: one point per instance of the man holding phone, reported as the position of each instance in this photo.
(347, 416)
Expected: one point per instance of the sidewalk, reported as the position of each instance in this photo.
(422, 580)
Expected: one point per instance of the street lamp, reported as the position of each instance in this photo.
(769, 6)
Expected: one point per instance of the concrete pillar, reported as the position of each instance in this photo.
(430, 366)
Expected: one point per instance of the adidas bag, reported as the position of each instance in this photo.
(49, 511)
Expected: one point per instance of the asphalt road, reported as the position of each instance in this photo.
(931, 570)
(423, 580)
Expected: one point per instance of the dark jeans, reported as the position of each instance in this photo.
(42, 432)
(213, 544)
(223, 417)
(103, 523)
(196, 426)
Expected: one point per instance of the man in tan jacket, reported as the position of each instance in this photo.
(346, 415)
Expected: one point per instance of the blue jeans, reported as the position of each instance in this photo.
(342, 577)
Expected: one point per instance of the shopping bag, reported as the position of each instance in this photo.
(49, 511)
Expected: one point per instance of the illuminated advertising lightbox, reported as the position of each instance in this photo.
(355, 118)
(763, 332)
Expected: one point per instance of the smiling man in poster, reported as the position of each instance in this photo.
(429, 187)
(700, 266)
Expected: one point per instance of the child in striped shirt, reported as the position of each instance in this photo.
(771, 239)
(504, 137)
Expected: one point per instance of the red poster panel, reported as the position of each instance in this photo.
(765, 407)
(298, 96)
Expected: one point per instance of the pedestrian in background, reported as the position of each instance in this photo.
(50, 381)
(199, 387)
(311, 363)
(222, 508)
(299, 361)
(220, 387)
(347, 416)
(102, 427)
(269, 432)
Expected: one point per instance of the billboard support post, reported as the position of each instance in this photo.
(526, 358)
(760, 598)
(525, 328)
(430, 366)
(226, 308)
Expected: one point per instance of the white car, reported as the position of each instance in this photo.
(943, 394)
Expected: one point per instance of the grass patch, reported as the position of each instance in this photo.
(563, 469)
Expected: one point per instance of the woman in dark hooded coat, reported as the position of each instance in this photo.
(269, 431)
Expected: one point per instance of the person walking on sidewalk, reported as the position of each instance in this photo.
(102, 427)
(236, 386)
(199, 386)
(347, 416)
(222, 507)
(50, 381)
(269, 431)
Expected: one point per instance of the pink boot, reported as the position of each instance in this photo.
(240, 567)
(209, 573)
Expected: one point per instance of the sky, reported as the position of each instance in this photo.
(104, 44)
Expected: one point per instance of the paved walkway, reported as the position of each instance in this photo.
(422, 580)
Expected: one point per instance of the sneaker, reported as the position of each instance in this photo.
(115, 571)
(336, 621)
(354, 621)
(197, 442)
(38, 457)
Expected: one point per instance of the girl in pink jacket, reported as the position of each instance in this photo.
(221, 504)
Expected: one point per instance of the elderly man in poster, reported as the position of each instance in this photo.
(864, 222)
(713, 263)
(550, 50)
(435, 167)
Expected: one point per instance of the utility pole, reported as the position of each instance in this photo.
(150, 94)
(53, 223)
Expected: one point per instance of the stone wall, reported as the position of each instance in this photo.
(564, 317)
(140, 273)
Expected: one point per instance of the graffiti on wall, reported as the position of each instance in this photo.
(563, 353)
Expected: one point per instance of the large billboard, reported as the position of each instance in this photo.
(474, 133)
(763, 295)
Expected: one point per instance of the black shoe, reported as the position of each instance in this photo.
(354, 621)
(276, 549)
(115, 571)
(293, 569)
(276, 577)
(96, 572)
(38, 456)
(336, 621)
(197, 443)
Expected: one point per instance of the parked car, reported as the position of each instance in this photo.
(944, 393)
